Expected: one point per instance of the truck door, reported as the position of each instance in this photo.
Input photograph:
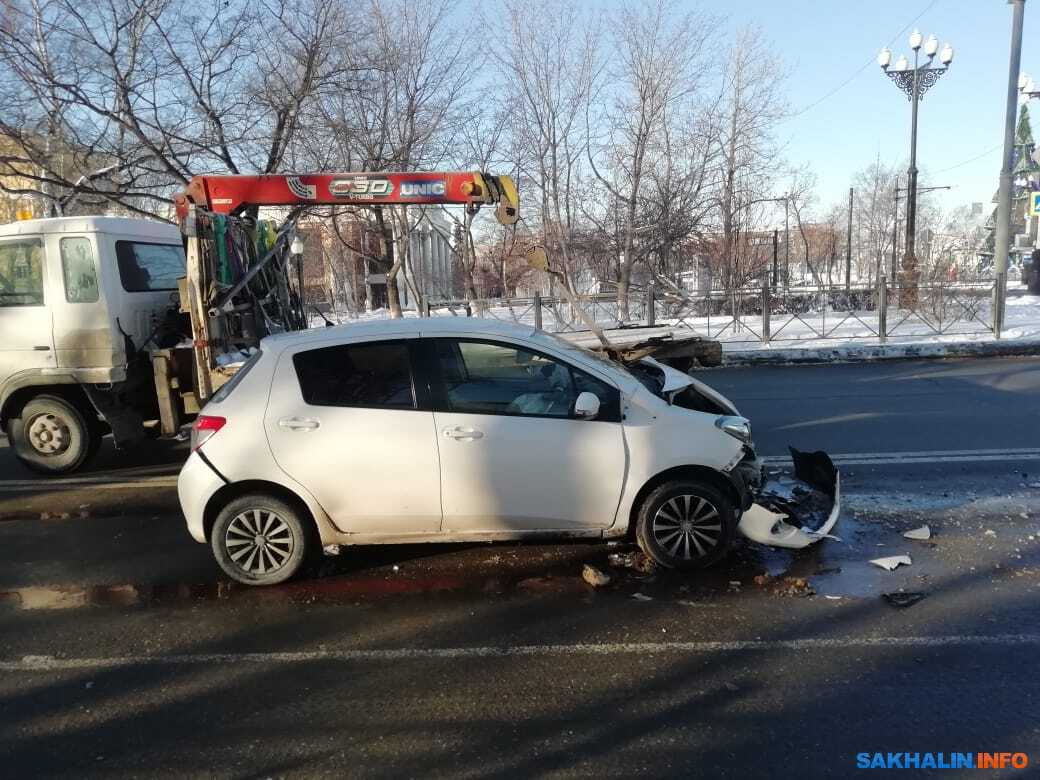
(26, 333)
(83, 335)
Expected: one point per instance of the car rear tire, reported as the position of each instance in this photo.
(685, 525)
(260, 540)
(52, 436)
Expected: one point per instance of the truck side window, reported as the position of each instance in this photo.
(144, 266)
(21, 273)
(77, 267)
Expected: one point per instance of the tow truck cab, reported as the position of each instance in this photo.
(80, 299)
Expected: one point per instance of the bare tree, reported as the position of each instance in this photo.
(405, 114)
(652, 78)
(751, 107)
(550, 66)
(121, 102)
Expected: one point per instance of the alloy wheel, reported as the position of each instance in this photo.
(687, 527)
(259, 541)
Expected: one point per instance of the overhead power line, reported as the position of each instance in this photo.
(972, 159)
(866, 65)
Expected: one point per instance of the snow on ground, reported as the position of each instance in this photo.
(827, 334)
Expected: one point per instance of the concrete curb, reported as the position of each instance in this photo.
(857, 353)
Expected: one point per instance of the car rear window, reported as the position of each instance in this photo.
(375, 375)
(144, 267)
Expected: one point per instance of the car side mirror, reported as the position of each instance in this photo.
(587, 406)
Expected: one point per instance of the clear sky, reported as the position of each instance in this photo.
(825, 45)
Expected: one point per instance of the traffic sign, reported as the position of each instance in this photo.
(1034, 204)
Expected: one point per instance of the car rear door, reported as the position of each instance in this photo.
(513, 456)
(351, 423)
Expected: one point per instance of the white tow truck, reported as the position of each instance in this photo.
(128, 326)
(80, 302)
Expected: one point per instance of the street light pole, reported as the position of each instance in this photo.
(914, 82)
(1002, 237)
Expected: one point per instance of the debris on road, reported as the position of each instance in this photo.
(902, 599)
(990, 532)
(785, 586)
(330, 549)
(921, 534)
(642, 597)
(594, 576)
(892, 562)
(637, 561)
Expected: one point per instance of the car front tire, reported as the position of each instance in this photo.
(51, 436)
(260, 540)
(686, 525)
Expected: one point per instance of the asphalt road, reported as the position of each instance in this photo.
(125, 653)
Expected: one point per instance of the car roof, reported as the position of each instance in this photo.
(408, 326)
(126, 226)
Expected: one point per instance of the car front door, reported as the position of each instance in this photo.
(513, 455)
(350, 423)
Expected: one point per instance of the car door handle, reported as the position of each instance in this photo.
(461, 434)
(299, 423)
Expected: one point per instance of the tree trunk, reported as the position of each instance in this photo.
(624, 282)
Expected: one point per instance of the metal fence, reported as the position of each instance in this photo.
(883, 311)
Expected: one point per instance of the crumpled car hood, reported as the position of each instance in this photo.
(675, 381)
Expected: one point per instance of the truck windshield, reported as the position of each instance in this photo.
(144, 267)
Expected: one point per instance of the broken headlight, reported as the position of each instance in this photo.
(737, 427)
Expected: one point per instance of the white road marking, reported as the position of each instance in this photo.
(926, 456)
(48, 663)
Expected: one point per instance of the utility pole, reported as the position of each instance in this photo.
(1002, 239)
(776, 258)
(895, 233)
(848, 249)
(787, 242)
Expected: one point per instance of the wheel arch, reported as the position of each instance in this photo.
(73, 394)
(229, 492)
(697, 473)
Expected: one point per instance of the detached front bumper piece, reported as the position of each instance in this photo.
(796, 512)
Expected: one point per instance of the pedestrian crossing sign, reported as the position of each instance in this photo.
(1034, 204)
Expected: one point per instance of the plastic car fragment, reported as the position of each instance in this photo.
(794, 513)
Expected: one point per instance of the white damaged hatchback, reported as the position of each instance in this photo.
(457, 429)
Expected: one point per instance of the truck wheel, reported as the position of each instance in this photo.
(51, 436)
(685, 525)
(260, 540)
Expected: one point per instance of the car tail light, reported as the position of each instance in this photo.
(204, 428)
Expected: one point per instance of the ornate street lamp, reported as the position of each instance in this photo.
(914, 81)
